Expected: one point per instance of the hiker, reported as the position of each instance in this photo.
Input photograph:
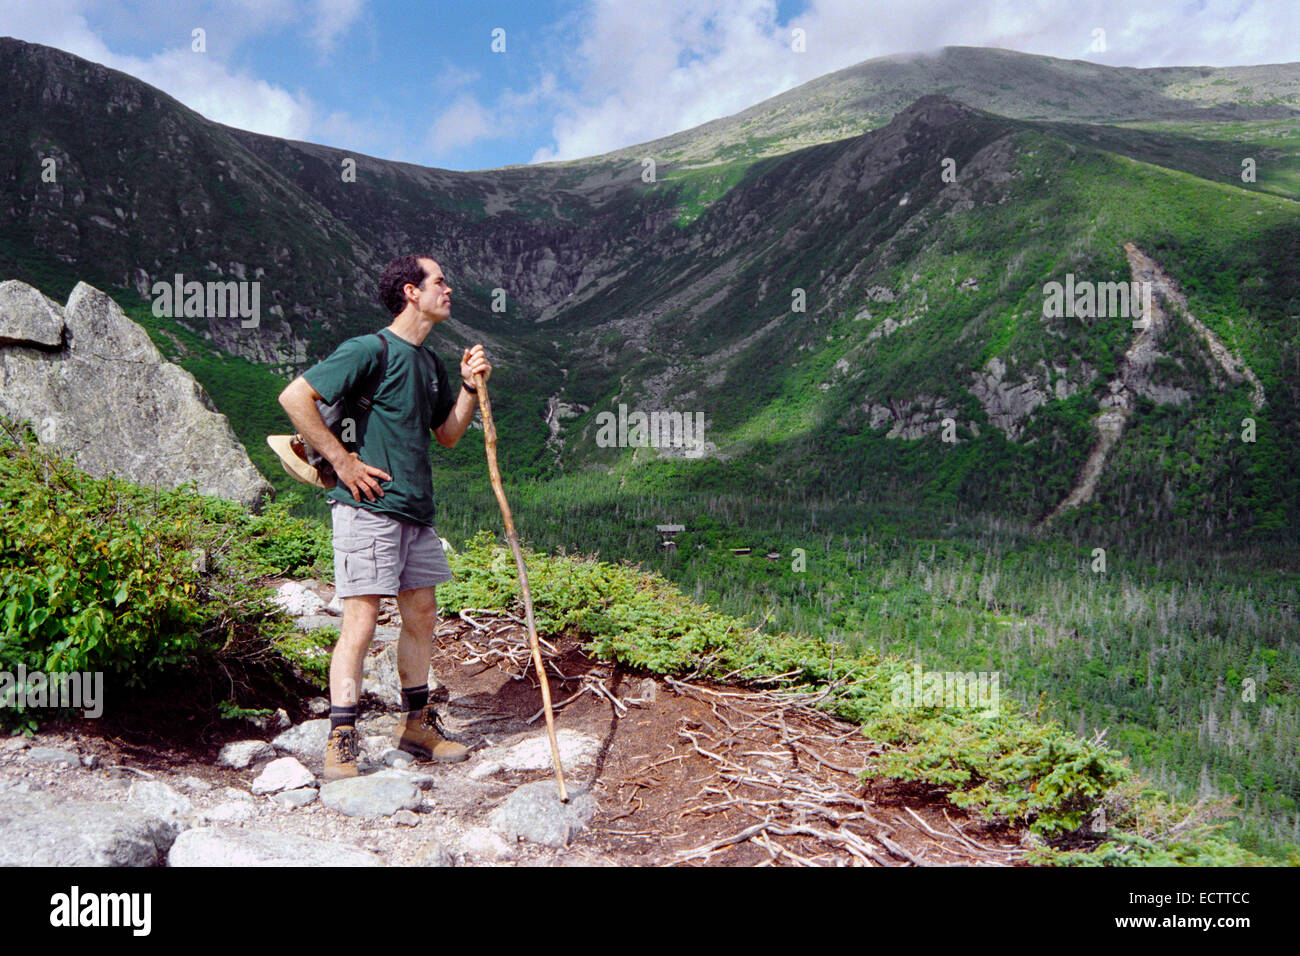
(382, 503)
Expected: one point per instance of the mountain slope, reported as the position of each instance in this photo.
(1024, 86)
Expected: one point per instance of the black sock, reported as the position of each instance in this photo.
(342, 716)
(414, 698)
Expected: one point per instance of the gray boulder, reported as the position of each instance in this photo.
(379, 795)
(107, 399)
(160, 801)
(534, 813)
(37, 830)
(238, 847)
(305, 741)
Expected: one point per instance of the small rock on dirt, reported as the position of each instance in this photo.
(534, 813)
(284, 773)
(241, 754)
(647, 690)
(196, 784)
(318, 706)
(482, 843)
(484, 769)
(406, 818)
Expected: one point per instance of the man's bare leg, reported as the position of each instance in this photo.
(359, 616)
(414, 648)
(419, 609)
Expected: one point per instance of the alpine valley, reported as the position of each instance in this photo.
(989, 360)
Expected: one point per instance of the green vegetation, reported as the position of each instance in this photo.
(1007, 767)
(99, 575)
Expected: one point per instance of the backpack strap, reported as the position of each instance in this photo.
(367, 395)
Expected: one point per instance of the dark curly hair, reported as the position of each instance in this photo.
(395, 276)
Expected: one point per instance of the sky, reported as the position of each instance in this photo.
(478, 84)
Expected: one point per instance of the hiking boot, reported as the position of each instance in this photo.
(341, 752)
(420, 734)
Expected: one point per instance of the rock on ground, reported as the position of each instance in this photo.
(241, 754)
(306, 741)
(576, 750)
(224, 846)
(232, 811)
(377, 795)
(534, 813)
(38, 830)
(436, 855)
(482, 843)
(285, 773)
(162, 802)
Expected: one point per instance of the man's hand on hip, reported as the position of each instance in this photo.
(360, 477)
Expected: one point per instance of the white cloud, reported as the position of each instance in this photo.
(236, 99)
(463, 122)
(635, 76)
(332, 18)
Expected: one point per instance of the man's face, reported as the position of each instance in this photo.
(434, 294)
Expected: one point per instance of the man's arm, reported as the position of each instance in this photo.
(472, 363)
(299, 401)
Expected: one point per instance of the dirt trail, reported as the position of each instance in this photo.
(684, 773)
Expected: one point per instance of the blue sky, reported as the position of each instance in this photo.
(420, 82)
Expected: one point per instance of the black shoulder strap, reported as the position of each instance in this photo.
(372, 383)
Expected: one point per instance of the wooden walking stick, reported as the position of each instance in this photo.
(490, 442)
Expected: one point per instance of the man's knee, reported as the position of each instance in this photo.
(421, 602)
(359, 616)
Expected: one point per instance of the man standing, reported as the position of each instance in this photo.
(382, 506)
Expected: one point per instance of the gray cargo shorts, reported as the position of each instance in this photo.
(378, 554)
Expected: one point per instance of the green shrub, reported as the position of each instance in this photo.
(101, 575)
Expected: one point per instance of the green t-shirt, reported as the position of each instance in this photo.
(414, 398)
